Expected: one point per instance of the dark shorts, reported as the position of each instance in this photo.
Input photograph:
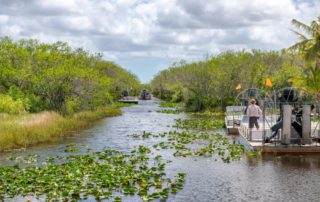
(253, 121)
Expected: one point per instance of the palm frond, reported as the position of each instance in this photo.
(308, 29)
(313, 52)
(315, 27)
(301, 36)
(299, 45)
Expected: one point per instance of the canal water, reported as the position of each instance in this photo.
(268, 178)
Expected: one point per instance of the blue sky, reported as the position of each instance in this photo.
(146, 36)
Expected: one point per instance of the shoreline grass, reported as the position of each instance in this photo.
(165, 104)
(21, 131)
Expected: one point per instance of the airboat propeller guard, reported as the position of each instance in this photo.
(293, 96)
(288, 119)
(298, 98)
(236, 113)
(254, 93)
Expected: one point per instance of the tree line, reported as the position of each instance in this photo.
(212, 83)
(38, 76)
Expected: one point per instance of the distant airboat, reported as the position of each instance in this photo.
(145, 95)
(125, 98)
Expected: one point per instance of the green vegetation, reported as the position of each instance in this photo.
(199, 124)
(187, 143)
(254, 153)
(30, 129)
(110, 174)
(207, 114)
(178, 108)
(202, 85)
(122, 104)
(11, 106)
(103, 174)
(50, 90)
(57, 77)
(192, 143)
(170, 104)
(172, 108)
(170, 111)
(308, 49)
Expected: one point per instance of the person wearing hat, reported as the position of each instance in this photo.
(254, 112)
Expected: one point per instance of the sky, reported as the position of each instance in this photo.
(146, 36)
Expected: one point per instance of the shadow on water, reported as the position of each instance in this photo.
(267, 178)
(302, 161)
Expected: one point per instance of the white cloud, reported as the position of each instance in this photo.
(4, 19)
(81, 23)
(12, 30)
(66, 5)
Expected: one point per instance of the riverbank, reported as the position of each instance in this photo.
(21, 131)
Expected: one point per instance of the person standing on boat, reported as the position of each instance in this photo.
(254, 112)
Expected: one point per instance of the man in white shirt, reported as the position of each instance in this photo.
(254, 112)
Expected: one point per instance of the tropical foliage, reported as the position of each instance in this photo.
(57, 77)
(308, 47)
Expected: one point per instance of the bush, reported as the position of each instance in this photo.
(10, 106)
(44, 76)
(16, 94)
(177, 96)
(197, 103)
(37, 104)
(71, 106)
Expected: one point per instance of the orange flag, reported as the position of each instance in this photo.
(268, 83)
(238, 87)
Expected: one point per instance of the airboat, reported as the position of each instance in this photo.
(145, 95)
(125, 98)
(289, 121)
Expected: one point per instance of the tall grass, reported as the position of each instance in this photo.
(19, 131)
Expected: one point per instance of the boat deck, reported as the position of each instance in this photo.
(253, 139)
(278, 148)
(129, 99)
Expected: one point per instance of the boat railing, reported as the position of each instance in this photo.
(234, 115)
(254, 135)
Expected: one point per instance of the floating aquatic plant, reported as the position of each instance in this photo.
(143, 135)
(186, 143)
(103, 174)
(199, 124)
(171, 104)
(110, 174)
(170, 111)
(207, 114)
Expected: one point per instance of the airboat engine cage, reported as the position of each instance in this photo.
(288, 118)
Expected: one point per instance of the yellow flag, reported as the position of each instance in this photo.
(268, 83)
(238, 87)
